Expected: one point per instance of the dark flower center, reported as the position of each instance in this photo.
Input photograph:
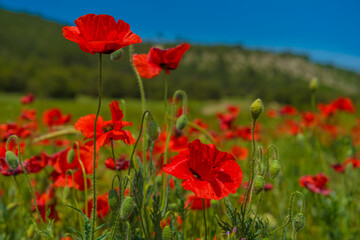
(107, 127)
(195, 173)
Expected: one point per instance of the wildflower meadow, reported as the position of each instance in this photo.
(176, 168)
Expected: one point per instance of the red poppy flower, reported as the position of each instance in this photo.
(46, 201)
(240, 152)
(105, 130)
(316, 184)
(102, 206)
(27, 99)
(268, 186)
(200, 123)
(355, 162)
(54, 117)
(326, 109)
(150, 65)
(344, 104)
(100, 34)
(338, 167)
(206, 171)
(28, 114)
(309, 119)
(288, 110)
(121, 163)
(195, 203)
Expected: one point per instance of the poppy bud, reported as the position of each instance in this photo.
(259, 184)
(113, 200)
(173, 206)
(11, 160)
(181, 122)
(167, 233)
(313, 85)
(30, 232)
(299, 221)
(256, 108)
(126, 208)
(153, 130)
(70, 156)
(274, 168)
(66, 191)
(117, 55)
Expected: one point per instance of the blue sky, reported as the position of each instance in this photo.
(328, 31)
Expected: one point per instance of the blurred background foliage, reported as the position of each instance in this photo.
(35, 57)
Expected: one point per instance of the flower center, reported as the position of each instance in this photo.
(195, 173)
(107, 127)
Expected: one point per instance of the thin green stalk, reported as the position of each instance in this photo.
(27, 178)
(113, 154)
(204, 211)
(142, 94)
(84, 176)
(138, 139)
(94, 159)
(248, 190)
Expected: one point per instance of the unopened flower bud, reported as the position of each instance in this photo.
(181, 122)
(256, 108)
(70, 156)
(11, 160)
(126, 208)
(299, 221)
(167, 233)
(153, 130)
(30, 231)
(117, 55)
(259, 184)
(66, 192)
(113, 200)
(313, 85)
(274, 169)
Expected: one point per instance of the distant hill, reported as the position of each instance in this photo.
(35, 57)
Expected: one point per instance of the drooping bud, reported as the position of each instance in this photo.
(153, 130)
(274, 169)
(299, 221)
(113, 200)
(117, 55)
(126, 208)
(259, 184)
(181, 122)
(70, 156)
(256, 108)
(11, 160)
(313, 85)
(167, 233)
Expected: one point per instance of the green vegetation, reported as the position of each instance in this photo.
(35, 57)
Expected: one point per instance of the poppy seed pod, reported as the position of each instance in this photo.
(299, 221)
(126, 208)
(167, 233)
(117, 55)
(181, 122)
(274, 168)
(113, 200)
(11, 160)
(70, 156)
(313, 85)
(256, 108)
(259, 184)
(153, 130)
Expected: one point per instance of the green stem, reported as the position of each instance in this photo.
(84, 176)
(204, 211)
(26, 176)
(138, 139)
(94, 159)
(248, 192)
(169, 127)
(142, 94)
(113, 154)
